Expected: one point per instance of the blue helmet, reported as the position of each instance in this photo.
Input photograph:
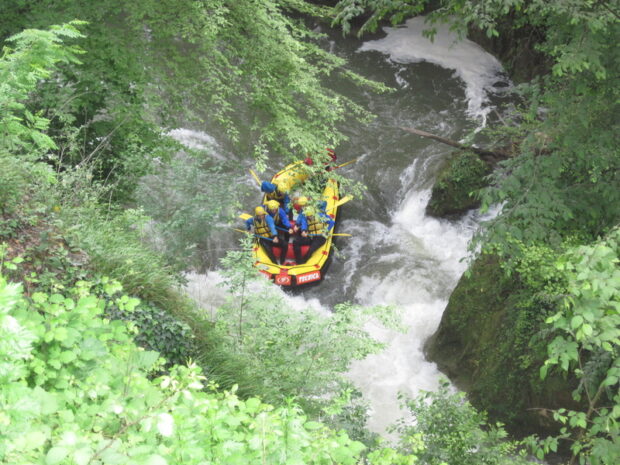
(267, 187)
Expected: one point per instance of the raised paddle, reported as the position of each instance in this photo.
(342, 201)
(255, 176)
(345, 164)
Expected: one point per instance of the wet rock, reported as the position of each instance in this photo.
(454, 191)
(491, 345)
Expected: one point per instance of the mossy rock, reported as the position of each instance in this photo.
(452, 193)
(489, 344)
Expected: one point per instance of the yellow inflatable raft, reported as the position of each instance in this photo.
(291, 274)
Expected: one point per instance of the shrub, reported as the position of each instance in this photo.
(74, 389)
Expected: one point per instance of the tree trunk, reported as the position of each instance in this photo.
(488, 156)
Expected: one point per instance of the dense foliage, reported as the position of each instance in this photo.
(85, 107)
(75, 389)
(588, 344)
(453, 431)
(250, 64)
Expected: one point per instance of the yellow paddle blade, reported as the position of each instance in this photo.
(255, 176)
(342, 235)
(245, 216)
(346, 163)
(344, 200)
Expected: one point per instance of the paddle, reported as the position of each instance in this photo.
(335, 234)
(344, 200)
(345, 164)
(255, 235)
(255, 176)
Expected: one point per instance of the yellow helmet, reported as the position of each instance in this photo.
(310, 211)
(273, 204)
(303, 200)
(258, 211)
(283, 185)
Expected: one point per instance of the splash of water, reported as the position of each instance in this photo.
(425, 265)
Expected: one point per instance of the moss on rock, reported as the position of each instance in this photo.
(464, 174)
(491, 343)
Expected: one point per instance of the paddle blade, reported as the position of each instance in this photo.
(255, 176)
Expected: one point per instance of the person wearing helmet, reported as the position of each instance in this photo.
(279, 215)
(277, 191)
(299, 203)
(265, 231)
(282, 223)
(298, 206)
(329, 165)
(314, 226)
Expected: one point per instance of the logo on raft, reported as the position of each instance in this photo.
(308, 277)
(283, 280)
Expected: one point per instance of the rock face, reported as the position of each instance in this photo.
(491, 344)
(463, 175)
(515, 48)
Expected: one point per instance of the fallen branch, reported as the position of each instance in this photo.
(488, 156)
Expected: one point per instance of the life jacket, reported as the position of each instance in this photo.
(275, 195)
(261, 227)
(276, 217)
(315, 225)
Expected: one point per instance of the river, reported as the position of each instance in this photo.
(398, 255)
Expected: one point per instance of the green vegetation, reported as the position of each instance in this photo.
(86, 101)
(452, 431)
(587, 329)
(75, 389)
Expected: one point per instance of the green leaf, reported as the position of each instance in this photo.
(56, 455)
(155, 459)
(165, 424)
(82, 456)
(576, 321)
(312, 425)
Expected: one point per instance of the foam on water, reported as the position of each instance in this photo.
(208, 292)
(479, 70)
(198, 140)
(430, 251)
